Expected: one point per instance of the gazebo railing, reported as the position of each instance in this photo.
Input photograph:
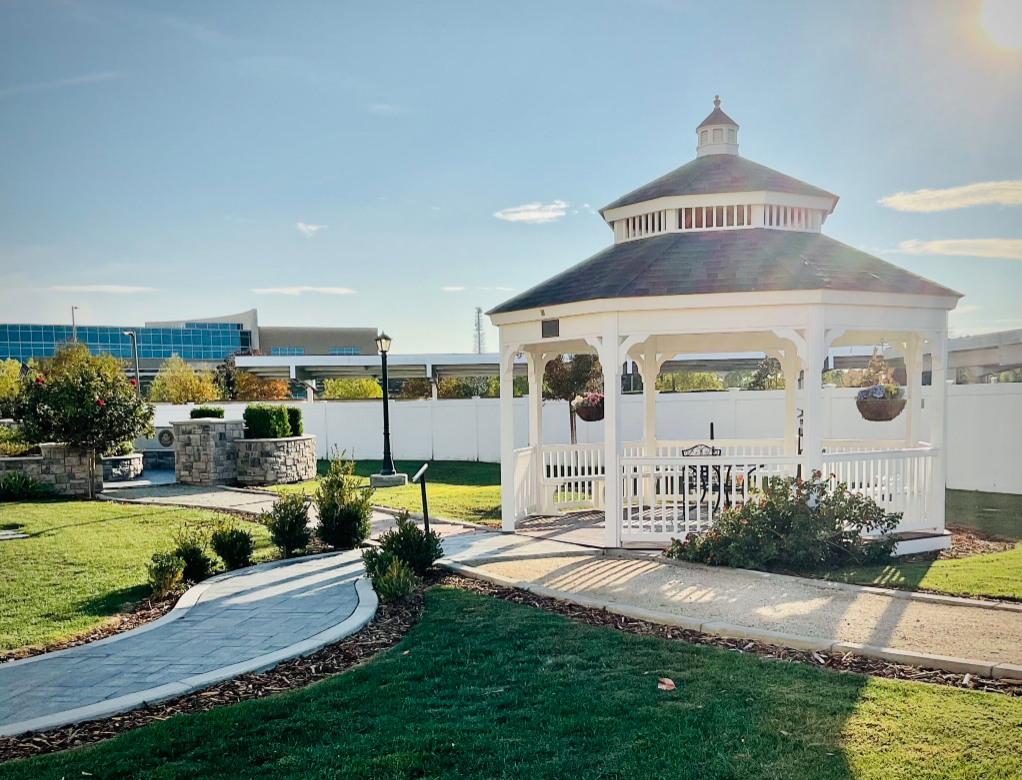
(571, 475)
(728, 447)
(526, 500)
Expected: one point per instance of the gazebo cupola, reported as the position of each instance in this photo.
(718, 133)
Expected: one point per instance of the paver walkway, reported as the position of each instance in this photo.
(215, 497)
(240, 622)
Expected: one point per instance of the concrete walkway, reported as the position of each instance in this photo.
(215, 497)
(232, 624)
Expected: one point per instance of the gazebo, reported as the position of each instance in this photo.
(721, 255)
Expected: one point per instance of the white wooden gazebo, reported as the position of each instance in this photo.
(721, 255)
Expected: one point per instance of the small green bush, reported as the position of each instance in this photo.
(234, 545)
(121, 448)
(396, 582)
(266, 421)
(795, 525)
(376, 561)
(165, 573)
(14, 444)
(15, 486)
(344, 505)
(191, 545)
(201, 412)
(294, 420)
(420, 550)
(288, 523)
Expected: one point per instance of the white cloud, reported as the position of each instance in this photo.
(964, 309)
(1010, 248)
(535, 213)
(100, 288)
(309, 230)
(87, 78)
(452, 289)
(1003, 193)
(387, 109)
(499, 289)
(302, 289)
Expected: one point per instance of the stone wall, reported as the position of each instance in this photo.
(276, 461)
(205, 452)
(64, 469)
(158, 460)
(119, 468)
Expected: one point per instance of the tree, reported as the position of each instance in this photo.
(566, 379)
(178, 383)
(351, 389)
(689, 381)
(249, 387)
(10, 383)
(468, 387)
(412, 389)
(768, 376)
(84, 400)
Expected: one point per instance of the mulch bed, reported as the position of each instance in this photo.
(844, 662)
(144, 612)
(387, 628)
(966, 542)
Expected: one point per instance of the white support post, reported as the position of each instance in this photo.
(789, 367)
(507, 438)
(815, 352)
(938, 425)
(537, 365)
(611, 359)
(914, 383)
(650, 369)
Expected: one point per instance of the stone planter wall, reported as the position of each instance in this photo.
(158, 460)
(119, 468)
(205, 452)
(63, 468)
(276, 461)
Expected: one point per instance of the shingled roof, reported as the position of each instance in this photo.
(717, 117)
(751, 260)
(718, 173)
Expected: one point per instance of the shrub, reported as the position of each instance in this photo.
(420, 550)
(795, 525)
(165, 573)
(234, 545)
(266, 421)
(344, 506)
(288, 523)
(13, 443)
(121, 448)
(376, 561)
(191, 545)
(202, 412)
(294, 420)
(396, 582)
(15, 486)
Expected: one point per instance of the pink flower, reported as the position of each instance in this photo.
(38, 380)
(99, 402)
(133, 383)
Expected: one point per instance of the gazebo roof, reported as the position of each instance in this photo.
(718, 173)
(751, 260)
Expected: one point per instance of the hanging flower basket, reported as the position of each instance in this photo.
(880, 403)
(589, 407)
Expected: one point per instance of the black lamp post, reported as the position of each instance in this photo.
(383, 344)
(134, 351)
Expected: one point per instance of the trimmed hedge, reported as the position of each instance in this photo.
(266, 421)
(294, 420)
(201, 412)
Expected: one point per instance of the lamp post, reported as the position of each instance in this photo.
(388, 476)
(134, 350)
(74, 325)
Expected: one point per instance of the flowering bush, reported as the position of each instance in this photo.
(795, 525)
(587, 400)
(879, 391)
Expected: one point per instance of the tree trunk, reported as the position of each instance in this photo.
(91, 454)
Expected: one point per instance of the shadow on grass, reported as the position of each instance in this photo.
(113, 602)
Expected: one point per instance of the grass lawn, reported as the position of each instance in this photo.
(82, 562)
(459, 490)
(483, 689)
(999, 514)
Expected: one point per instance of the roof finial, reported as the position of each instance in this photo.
(716, 101)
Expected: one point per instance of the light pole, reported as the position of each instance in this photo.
(74, 327)
(388, 476)
(134, 350)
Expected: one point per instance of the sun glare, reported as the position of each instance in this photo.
(1002, 21)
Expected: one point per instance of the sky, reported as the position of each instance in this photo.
(396, 164)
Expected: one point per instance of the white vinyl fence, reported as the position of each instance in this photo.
(984, 441)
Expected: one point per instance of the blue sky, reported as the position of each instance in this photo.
(220, 155)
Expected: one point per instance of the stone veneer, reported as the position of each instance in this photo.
(119, 468)
(205, 452)
(276, 461)
(64, 469)
(158, 460)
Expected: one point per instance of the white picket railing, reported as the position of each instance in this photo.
(727, 447)
(668, 498)
(525, 483)
(571, 475)
(897, 480)
(861, 445)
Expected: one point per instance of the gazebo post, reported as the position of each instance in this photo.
(789, 368)
(938, 424)
(507, 438)
(650, 369)
(537, 365)
(815, 353)
(610, 359)
(914, 382)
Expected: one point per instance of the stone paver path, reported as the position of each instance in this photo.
(214, 498)
(239, 622)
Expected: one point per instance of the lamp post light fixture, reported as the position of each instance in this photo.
(134, 351)
(388, 476)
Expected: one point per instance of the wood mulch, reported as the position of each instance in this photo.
(966, 542)
(844, 662)
(387, 628)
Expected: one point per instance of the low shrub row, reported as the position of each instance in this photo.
(270, 421)
(190, 561)
(402, 557)
(203, 412)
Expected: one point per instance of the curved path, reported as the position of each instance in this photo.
(239, 622)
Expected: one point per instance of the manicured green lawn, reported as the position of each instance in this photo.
(459, 490)
(484, 689)
(81, 563)
(999, 514)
